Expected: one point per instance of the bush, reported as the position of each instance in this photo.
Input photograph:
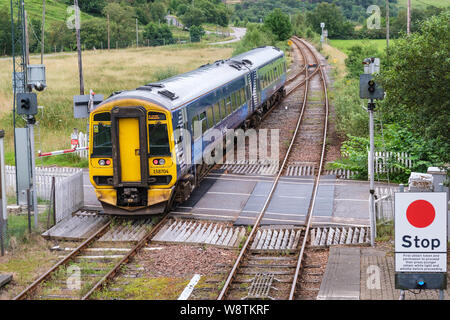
(196, 33)
(256, 36)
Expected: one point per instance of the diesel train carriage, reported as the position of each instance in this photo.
(138, 162)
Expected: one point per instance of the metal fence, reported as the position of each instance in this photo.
(43, 179)
(384, 204)
(69, 195)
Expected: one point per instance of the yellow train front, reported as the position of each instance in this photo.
(147, 145)
(131, 164)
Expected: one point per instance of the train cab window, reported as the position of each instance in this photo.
(158, 139)
(104, 116)
(210, 116)
(244, 99)
(102, 140)
(202, 118)
(217, 113)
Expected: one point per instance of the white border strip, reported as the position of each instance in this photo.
(190, 287)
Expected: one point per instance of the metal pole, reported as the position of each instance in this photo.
(371, 174)
(402, 292)
(29, 210)
(14, 94)
(33, 173)
(3, 199)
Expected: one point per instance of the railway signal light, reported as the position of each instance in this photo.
(27, 104)
(369, 89)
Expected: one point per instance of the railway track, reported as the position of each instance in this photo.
(94, 262)
(271, 261)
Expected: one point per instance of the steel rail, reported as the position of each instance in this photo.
(317, 179)
(251, 236)
(26, 292)
(102, 282)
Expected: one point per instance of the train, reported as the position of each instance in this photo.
(145, 154)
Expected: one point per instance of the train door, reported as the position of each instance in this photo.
(129, 137)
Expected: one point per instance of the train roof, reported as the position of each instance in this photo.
(176, 91)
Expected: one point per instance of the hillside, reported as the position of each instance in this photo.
(55, 10)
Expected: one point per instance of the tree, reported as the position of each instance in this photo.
(5, 31)
(334, 20)
(279, 23)
(92, 6)
(158, 35)
(193, 17)
(122, 22)
(196, 33)
(416, 82)
(158, 12)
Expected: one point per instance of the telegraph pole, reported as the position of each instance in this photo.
(137, 34)
(42, 34)
(80, 63)
(107, 15)
(408, 18)
(387, 25)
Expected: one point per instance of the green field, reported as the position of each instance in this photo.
(422, 4)
(344, 45)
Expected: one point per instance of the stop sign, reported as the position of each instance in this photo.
(421, 232)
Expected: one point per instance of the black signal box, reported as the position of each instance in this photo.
(26, 104)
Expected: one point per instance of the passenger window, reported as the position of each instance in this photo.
(210, 116)
(233, 101)
(238, 98)
(227, 106)
(223, 109)
(203, 120)
(217, 113)
(195, 132)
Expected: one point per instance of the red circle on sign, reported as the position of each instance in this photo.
(420, 213)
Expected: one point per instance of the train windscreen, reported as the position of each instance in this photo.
(158, 140)
(102, 140)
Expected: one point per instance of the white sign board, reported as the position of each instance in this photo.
(322, 25)
(421, 232)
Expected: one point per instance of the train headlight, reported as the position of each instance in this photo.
(104, 162)
(159, 162)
